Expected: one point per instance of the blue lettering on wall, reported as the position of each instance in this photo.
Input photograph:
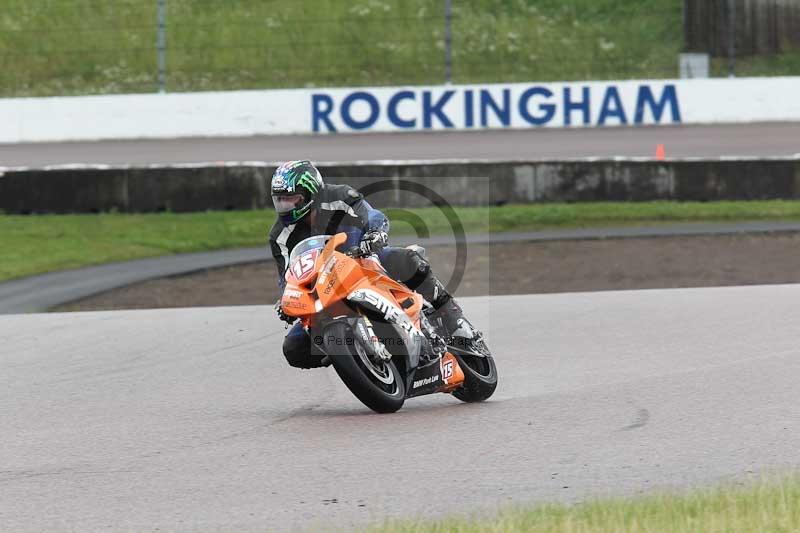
(469, 113)
(321, 107)
(548, 109)
(374, 110)
(429, 109)
(645, 98)
(582, 106)
(612, 107)
(493, 106)
(501, 111)
(391, 110)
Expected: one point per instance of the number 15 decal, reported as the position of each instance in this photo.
(447, 369)
(304, 265)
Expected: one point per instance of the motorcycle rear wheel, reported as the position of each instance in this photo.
(480, 375)
(378, 386)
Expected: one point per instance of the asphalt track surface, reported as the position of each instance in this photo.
(40, 293)
(190, 419)
(760, 139)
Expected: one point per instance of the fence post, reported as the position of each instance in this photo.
(161, 46)
(448, 41)
(732, 38)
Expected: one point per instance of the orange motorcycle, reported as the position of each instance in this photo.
(376, 332)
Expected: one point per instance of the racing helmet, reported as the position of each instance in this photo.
(296, 186)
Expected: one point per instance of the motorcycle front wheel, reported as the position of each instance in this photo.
(378, 385)
(480, 374)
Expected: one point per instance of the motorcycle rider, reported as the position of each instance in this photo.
(306, 206)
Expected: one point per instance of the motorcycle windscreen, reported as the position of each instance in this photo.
(302, 260)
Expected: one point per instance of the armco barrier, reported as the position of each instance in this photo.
(183, 188)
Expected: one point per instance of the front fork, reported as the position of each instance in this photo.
(368, 335)
(362, 330)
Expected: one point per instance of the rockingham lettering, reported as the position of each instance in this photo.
(496, 106)
(549, 110)
(394, 116)
(647, 100)
(468, 107)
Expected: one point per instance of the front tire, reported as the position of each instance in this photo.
(379, 386)
(480, 375)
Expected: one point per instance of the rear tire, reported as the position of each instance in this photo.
(480, 376)
(379, 386)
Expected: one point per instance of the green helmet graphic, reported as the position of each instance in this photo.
(296, 185)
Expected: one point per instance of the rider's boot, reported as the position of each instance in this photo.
(460, 331)
(409, 266)
(448, 314)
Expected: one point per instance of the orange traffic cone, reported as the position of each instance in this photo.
(660, 152)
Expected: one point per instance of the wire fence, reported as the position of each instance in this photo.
(54, 47)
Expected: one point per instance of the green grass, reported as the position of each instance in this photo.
(36, 244)
(602, 214)
(767, 506)
(53, 47)
(786, 63)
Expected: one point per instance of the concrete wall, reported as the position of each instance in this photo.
(395, 109)
(246, 186)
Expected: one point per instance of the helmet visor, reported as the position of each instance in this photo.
(285, 203)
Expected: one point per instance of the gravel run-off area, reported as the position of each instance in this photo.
(514, 268)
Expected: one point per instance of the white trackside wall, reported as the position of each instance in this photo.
(391, 109)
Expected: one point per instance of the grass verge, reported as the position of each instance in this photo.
(36, 244)
(784, 64)
(767, 506)
(93, 47)
(66, 47)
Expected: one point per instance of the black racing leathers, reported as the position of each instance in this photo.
(339, 208)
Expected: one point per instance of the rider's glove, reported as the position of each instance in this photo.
(283, 316)
(373, 242)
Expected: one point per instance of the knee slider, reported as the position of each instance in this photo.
(417, 268)
(297, 351)
(421, 267)
(420, 263)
